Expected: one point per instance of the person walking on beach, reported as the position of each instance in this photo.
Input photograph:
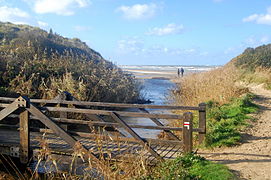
(182, 71)
(178, 72)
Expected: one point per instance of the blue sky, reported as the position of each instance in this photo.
(166, 32)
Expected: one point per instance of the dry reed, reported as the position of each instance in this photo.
(218, 85)
(125, 167)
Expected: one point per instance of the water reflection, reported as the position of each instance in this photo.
(155, 90)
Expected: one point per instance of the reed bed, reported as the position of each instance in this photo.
(218, 85)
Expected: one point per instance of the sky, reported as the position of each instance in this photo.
(152, 32)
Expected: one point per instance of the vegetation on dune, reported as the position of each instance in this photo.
(190, 166)
(42, 64)
(228, 101)
(252, 58)
(226, 121)
(255, 65)
(218, 85)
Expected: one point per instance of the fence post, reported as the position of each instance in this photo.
(63, 97)
(24, 153)
(187, 132)
(202, 122)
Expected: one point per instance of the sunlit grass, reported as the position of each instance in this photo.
(218, 85)
(258, 76)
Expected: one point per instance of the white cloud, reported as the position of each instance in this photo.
(130, 45)
(42, 24)
(14, 15)
(265, 39)
(158, 50)
(18, 16)
(138, 11)
(167, 30)
(260, 18)
(205, 53)
(60, 7)
(136, 46)
(251, 41)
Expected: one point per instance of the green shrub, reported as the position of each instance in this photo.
(226, 121)
(188, 167)
(254, 57)
(268, 86)
(207, 170)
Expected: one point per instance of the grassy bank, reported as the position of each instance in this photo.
(190, 166)
(225, 122)
(255, 65)
(258, 76)
(229, 104)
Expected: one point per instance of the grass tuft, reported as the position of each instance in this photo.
(190, 166)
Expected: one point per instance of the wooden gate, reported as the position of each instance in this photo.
(94, 129)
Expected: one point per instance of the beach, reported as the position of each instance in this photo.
(166, 72)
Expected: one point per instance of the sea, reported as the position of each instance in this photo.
(156, 82)
(169, 68)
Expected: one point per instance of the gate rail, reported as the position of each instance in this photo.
(97, 114)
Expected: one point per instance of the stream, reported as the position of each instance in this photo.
(156, 91)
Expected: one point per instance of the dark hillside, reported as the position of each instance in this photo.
(252, 58)
(42, 64)
(41, 42)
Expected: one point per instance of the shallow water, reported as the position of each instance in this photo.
(156, 90)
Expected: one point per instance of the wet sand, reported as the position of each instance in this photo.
(152, 74)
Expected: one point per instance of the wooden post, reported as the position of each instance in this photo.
(63, 97)
(24, 137)
(187, 132)
(202, 122)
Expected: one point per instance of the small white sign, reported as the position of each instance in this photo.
(186, 124)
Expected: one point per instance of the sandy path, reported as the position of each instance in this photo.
(252, 159)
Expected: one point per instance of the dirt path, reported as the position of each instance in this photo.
(252, 159)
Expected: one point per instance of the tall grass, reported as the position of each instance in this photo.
(228, 108)
(49, 166)
(127, 166)
(260, 75)
(218, 85)
(86, 80)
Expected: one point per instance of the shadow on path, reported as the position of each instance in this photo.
(248, 137)
(245, 158)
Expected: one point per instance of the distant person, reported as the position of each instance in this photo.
(182, 71)
(178, 72)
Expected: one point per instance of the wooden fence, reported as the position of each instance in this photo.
(19, 129)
